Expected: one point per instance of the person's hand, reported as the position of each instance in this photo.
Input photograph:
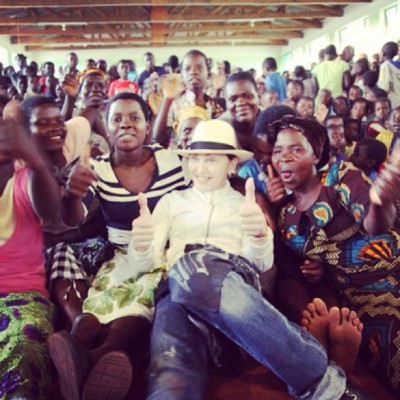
(172, 86)
(312, 271)
(142, 227)
(252, 219)
(70, 85)
(17, 143)
(321, 113)
(275, 189)
(385, 187)
(81, 176)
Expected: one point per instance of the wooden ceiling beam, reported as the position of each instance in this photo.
(204, 27)
(128, 17)
(158, 39)
(125, 3)
(223, 42)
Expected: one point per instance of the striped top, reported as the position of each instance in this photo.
(120, 206)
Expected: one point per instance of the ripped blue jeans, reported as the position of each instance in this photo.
(178, 366)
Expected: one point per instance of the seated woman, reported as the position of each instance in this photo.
(218, 241)
(121, 299)
(28, 193)
(72, 253)
(330, 219)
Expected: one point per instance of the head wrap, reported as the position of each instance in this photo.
(189, 112)
(311, 129)
(84, 74)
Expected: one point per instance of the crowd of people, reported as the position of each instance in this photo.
(178, 218)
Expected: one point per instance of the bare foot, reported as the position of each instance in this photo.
(316, 320)
(344, 337)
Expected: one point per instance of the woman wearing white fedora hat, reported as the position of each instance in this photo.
(218, 242)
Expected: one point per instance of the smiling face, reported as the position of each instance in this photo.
(47, 127)
(194, 72)
(127, 125)
(242, 101)
(209, 172)
(93, 90)
(294, 159)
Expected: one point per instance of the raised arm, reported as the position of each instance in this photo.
(45, 193)
(171, 88)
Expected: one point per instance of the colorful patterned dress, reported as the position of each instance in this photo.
(364, 269)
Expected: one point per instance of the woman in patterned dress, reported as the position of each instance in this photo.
(120, 299)
(28, 193)
(330, 219)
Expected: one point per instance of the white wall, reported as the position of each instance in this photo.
(244, 57)
(368, 42)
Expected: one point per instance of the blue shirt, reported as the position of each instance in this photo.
(251, 169)
(276, 83)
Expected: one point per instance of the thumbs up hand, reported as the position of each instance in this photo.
(142, 227)
(252, 218)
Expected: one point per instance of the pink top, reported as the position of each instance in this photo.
(21, 256)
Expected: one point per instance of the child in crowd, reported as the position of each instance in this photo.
(340, 107)
(381, 107)
(123, 84)
(294, 91)
(352, 134)
(368, 156)
(305, 107)
(186, 120)
(335, 127)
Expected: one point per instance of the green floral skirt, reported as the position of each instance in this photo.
(116, 294)
(25, 324)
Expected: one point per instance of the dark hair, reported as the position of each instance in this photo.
(370, 78)
(331, 50)
(390, 49)
(380, 93)
(48, 63)
(383, 99)
(195, 52)
(269, 116)
(311, 129)
(270, 63)
(300, 72)
(356, 87)
(227, 67)
(241, 76)
(363, 64)
(173, 62)
(308, 98)
(129, 96)
(297, 83)
(375, 149)
(28, 105)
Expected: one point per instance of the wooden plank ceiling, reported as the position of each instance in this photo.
(104, 24)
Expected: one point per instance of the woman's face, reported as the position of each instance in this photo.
(127, 125)
(209, 172)
(93, 90)
(293, 158)
(47, 127)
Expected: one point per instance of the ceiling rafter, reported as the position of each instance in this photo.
(47, 24)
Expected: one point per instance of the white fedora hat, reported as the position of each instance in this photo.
(215, 137)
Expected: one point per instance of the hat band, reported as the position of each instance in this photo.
(210, 146)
